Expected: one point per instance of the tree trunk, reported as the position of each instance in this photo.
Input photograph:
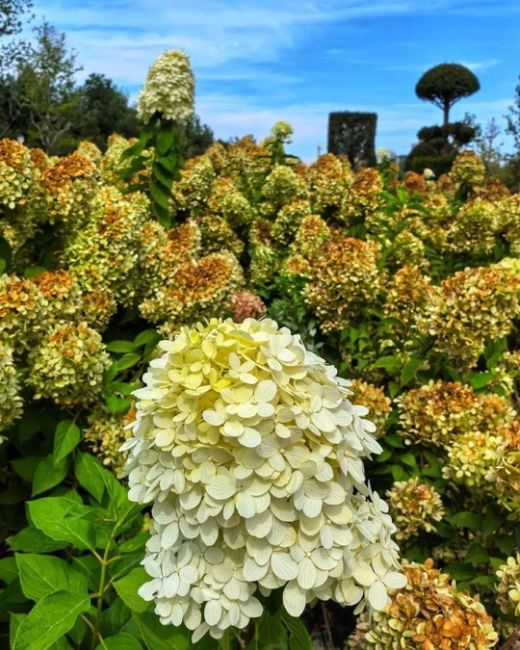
(446, 112)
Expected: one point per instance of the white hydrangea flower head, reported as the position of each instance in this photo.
(252, 454)
(169, 89)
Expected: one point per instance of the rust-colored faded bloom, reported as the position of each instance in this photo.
(427, 614)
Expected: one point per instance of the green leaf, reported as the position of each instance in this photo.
(147, 337)
(398, 473)
(409, 370)
(26, 467)
(66, 439)
(460, 570)
(505, 544)
(476, 554)
(163, 176)
(6, 252)
(99, 481)
(391, 364)
(41, 575)
(128, 360)
(90, 568)
(159, 195)
(165, 140)
(160, 637)
(116, 405)
(14, 623)
(121, 346)
(33, 540)
(122, 387)
(299, 638)
(61, 518)
(481, 379)
(3, 265)
(33, 271)
(491, 523)
(49, 620)
(466, 519)
(408, 459)
(121, 641)
(8, 569)
(49, 473)
(127, 589)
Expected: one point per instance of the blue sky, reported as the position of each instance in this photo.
(297, 60)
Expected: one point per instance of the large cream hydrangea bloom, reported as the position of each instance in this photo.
(252, 455)
(169, 89)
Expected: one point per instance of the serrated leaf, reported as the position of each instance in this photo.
(127, 588)
(66, 439)
(33, 540)
(61, 518)
(116, 405)
(49, 620)
(41, 575)
(98, 481)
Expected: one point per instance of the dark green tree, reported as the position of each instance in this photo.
(446, 84)
(513, 129)
(353, 135)
(44, 90)
(12, 15)
(102, 110)
(195, 138)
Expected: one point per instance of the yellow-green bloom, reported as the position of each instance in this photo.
(169, 89)
(10, 399)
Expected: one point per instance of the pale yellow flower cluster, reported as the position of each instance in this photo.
(169, 89)
(105, 434)
(193, 189)
(427, 614)
(216, 235)
(439, 412)
(10, 399)
(508, 587)
(67, 365)
(106, 252)
(470, 308)
(281, 187)
(70, 184)
(329, 179)
(288, 220)
(468, 170)
(474, 228)
(252, 454)
(414, 506)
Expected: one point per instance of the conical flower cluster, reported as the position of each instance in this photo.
(169, 89)
(252, 455)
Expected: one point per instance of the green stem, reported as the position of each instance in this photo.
(101, 592)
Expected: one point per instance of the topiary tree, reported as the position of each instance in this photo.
(353, 135)
(445, 84)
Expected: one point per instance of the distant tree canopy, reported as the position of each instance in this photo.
(12, 15)
(353, 135)
(41, 101)
(438, 146)
(102, 110)
(446, 84)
